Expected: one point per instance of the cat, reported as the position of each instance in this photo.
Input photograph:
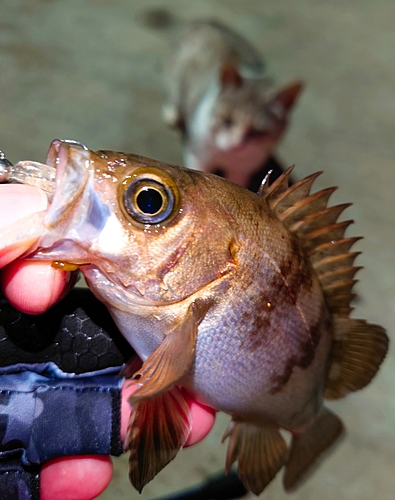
(229, 112)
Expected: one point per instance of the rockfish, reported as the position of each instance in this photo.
(241, 299)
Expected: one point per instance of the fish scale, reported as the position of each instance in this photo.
(241, 299)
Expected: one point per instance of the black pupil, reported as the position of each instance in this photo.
(149, 201)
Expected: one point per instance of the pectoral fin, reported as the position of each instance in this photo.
(260, 451)
(158, 428)
(172, 359)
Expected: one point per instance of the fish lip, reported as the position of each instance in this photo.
(71, 160)
(56, 150)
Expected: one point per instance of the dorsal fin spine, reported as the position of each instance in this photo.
(264, 187)
(279, 186)
(316, 225)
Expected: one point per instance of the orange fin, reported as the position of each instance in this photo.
(359, 349)
(157, 430)
(309, 445)
(260, 452)
(173, 358)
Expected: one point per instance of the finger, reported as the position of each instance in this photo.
(203, 417)
(18, 202)
(75, 478)
(33, 287)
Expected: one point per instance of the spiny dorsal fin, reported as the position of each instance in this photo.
(327, 234)
(317, 220)
(333, 248)
(308, 204)
(358, 347)
(322, 237)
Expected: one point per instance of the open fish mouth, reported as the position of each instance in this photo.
(40, 175)
(30, 231)
(74, 213)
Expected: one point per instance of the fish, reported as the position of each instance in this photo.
(240, 299)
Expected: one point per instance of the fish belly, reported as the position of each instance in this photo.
(274, 373)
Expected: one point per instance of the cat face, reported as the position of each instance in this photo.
(245, 114)
(246, 111)
(237, 125)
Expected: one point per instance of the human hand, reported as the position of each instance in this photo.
(33, 287)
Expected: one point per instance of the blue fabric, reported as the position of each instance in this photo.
(47, 417)
(51, 369)
(18, 482)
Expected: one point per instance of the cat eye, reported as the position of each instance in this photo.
(228, 121)
(149, 196)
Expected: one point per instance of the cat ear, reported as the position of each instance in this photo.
(288, 95)
(229, 75)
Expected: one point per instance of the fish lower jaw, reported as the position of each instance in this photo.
(116, 296)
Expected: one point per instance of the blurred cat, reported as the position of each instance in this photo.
(231, 115)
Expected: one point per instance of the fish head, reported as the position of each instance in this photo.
(141, 231)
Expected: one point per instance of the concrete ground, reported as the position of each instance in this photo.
(85, 69)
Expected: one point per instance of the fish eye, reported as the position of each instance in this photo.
(148, 201)
(150, 196)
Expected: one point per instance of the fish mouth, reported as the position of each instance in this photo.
(69, 220)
